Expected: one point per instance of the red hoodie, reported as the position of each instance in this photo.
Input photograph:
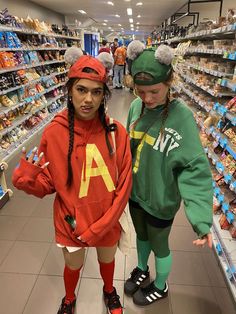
(96, 198)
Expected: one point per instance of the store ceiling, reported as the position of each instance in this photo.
(153, 13)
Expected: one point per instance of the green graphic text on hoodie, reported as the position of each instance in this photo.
(172, 167)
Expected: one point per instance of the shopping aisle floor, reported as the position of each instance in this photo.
(31, 265)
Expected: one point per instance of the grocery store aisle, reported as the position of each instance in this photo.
(31, 265)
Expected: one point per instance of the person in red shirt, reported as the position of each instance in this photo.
(92, 181)
(104, 47)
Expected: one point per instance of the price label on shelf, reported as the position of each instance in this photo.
(225, 207)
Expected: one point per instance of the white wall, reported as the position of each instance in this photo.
(23, 8)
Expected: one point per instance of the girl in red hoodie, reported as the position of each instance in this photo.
(77, 160)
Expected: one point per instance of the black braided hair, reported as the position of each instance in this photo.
(102, 116)
(71, 119)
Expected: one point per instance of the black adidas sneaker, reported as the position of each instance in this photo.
(149, 294)
(67, 307)
(136, 280)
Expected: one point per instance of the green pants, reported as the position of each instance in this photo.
(152, 229)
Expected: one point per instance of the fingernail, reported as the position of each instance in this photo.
(46, 164)
(41, 154)
(35, 149)
(23, 150)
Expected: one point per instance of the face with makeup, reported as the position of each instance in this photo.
(87, 96)
(153, 95)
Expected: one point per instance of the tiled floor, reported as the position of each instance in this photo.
(31, 265)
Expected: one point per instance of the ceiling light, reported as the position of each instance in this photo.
(138, 16)
(139, 3)
(129, 11)
(119, 25)
(104, 24)
(137, 23)
(109, 27)
(131, 20)
(110, 3)
(105, 21)
(117, 15)
(131, 25)
(82, 12)
(127, 0)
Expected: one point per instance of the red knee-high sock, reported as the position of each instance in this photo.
(71, 278)
(107, 274)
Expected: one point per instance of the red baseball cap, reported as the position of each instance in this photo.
(76, 71)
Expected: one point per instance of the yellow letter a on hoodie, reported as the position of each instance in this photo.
(92, 153)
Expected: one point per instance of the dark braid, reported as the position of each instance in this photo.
(141, 114)
(102, 117)
(71, 112)
(164, 114)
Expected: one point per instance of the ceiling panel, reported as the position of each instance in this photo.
(153, 12)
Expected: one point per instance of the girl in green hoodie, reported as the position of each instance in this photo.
(169, 165)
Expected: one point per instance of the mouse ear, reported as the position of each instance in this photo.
(135, 48)
(106, 59)
(72, 54)
(164, 54)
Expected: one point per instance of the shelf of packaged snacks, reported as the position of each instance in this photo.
(26, 117)
(22, 67)
(222, 52)
(223, 141)
(217, 108)
(27, 84)
(210, 71)
(206, 89)
(34, 48)
(5, 193)
(32, 32)
(215, 160)
(17, 146)
(229, 84)
(205, 34)
(224, 247)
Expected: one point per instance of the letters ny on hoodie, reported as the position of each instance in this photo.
(171, 167)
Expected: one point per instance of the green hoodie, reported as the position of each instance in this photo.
(171, 168)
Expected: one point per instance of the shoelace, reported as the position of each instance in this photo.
(66, 308)
(151, 290)
(114, 302)
(136, 273)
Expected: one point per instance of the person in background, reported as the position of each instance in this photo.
(104, 47)
(92, 181)
(114, 46)
(119, 67)
(169, 166)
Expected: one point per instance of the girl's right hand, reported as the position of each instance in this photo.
(34, 155)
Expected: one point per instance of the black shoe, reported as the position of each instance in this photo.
(112, 302)
(149, 294)
(136, 280)
(67, 308)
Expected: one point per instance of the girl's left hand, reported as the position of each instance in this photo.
(205, 239)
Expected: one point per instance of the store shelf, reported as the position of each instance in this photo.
(29, 66)
(205, 34)
(209, 71)
(33, 32)
(226, 254)
(29, 83)
(16, 147)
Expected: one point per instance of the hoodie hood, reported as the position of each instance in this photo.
(80, 126)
